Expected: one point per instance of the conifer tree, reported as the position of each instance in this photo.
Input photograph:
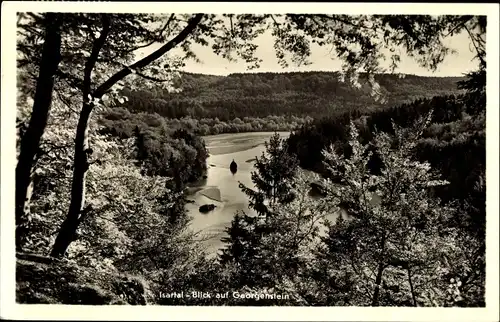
(268, 247)
(273, 179)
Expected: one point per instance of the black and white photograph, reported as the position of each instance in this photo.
(169, 155)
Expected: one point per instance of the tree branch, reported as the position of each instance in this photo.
(456, 27)
(34, 16)
(478, 51)
(65, 101)
(70, 79)
(345, 22)
(193, 23)
(91, 61)
(231, 21)
(159, 35)
(152, 78)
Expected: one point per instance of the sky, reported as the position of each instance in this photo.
(322, 60)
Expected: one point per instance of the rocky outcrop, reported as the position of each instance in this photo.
(44, 280)
(207, 208)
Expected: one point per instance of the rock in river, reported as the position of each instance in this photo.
(207, 208)
(233, 167)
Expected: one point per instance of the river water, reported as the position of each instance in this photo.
(221, 186)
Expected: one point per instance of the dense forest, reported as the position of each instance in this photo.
(105, 152)
(454, 144)
(249, 98)
(208, 104)
(121, 121)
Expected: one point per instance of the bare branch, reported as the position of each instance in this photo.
(478, 51)
(456, 27)
(275, 22)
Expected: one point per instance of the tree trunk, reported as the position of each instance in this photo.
(67, 233)
(380, 272)
(51, 56)
(68, 229)
(411, 288)
(378, 283)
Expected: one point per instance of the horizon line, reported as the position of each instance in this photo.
(464, 74)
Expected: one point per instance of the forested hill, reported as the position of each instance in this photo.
(315, 94)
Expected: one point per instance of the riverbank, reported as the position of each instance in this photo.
(229, 143)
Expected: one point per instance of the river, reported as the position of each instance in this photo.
(221, 186)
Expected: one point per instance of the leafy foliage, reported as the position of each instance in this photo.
(393, 249)
(118, 199)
